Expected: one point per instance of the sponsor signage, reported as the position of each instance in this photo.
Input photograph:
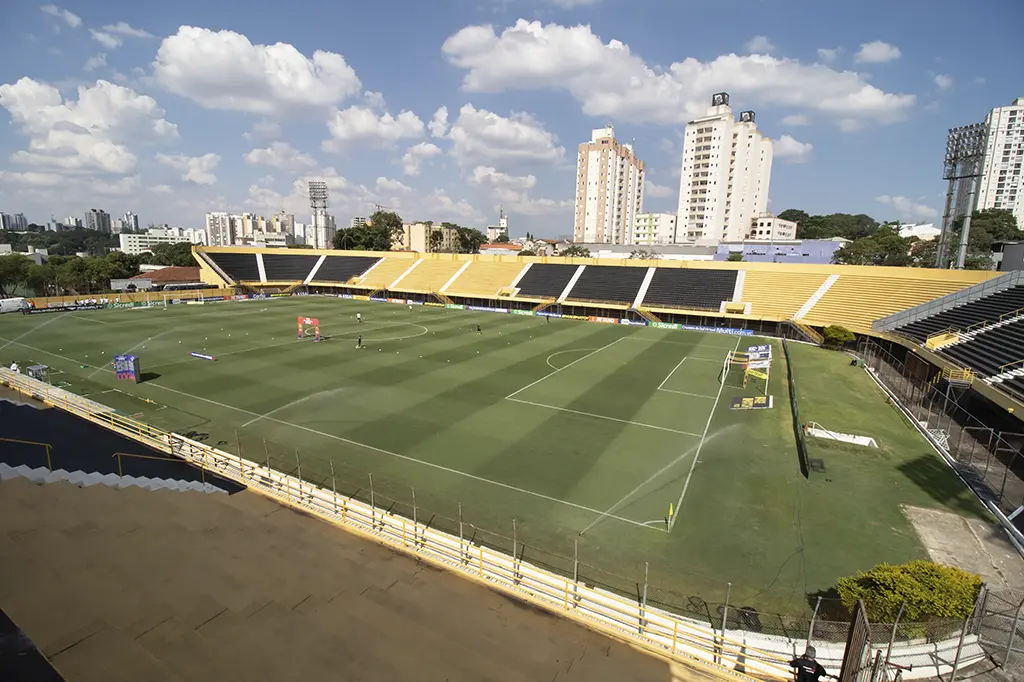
(67, 308)
(259, 297)
(396, 300)
(239, 297)
(202, 356)
(350, 296)
(664, 325)
(522, 312)
(123, 305)
(759, 364)
(486, 310)
(412, 302)
(359, 297)
(434, 305)
(454, 306)
(279, 295)
(633, 323)
(547, 314)
(604, 320)
(574, 317)
(377, 298)
(214, 298)
(717, 330)
(763, 352)
(757, 402)
(126, 367)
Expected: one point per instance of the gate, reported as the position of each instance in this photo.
(1001, 627)
(857, 659)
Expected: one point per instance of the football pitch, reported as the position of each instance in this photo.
(567, 438)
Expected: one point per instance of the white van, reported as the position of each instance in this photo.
(12, 305)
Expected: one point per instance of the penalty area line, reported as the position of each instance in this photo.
(406, 458)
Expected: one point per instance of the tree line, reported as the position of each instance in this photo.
(385, 227)
(874, 243)
(71, 275)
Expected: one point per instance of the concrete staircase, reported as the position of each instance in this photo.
(82, 479)
(159, 585)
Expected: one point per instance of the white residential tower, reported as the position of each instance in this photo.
(609, 189)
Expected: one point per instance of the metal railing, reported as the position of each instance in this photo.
(957, 298)
(46, 446)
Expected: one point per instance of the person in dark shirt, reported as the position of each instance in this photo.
(479, 330)
(807, 669)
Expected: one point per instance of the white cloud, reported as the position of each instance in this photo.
(569, 4)
(90, 133)
(223, 70)
(281, 155)
(877, 52)
(480, 137)
(907, 209)
(512, 191)
(161, 189)
(610, 81)
(760, 45)
(795, 120)
(95, 62)
(125, 29)
(792, 150)
(197, 169)
(359, 125)
(979, 80)
(416, 154)
(263, 130)
(827, 54)
(438, 125)
(107, 40)
(943, 81)
(389, 185)
(657, 191)
(84, 187)
(72, 20)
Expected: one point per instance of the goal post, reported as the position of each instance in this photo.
(747, 369)
(309, 327)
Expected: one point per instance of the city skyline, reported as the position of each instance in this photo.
(480, 110)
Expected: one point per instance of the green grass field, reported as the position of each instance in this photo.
(564, 426)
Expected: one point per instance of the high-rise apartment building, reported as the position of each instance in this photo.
(130, 221)
(609, 189)
(726, 171)
(357, 221)
(1002, 184)
(282, 223)
(220, 229)
(14, 222)
(654, 228)
(97, 219)
(71, 222)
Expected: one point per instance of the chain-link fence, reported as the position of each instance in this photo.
(986, 449)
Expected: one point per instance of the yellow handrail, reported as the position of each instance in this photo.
(1012, 313)
(1003, 368)
(47, 446)
(120, 472)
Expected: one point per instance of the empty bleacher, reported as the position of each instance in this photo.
(988, 309)
(989, 351)
(344, 268)
(240, 267)
(692, 289)
(288, 267)
(855, 301)
(381, 276)
(546, 280)
(779, 295)
(614, 283)
(429, 276)
(485, 279)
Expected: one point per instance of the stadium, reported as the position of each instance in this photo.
(659, 450)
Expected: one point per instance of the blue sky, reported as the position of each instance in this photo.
(446, 110)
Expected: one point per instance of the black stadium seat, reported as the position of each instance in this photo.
(546, 280)
(987, 309)
(690, 288)
(990, 350)
(288, 267)
(241, 267)
(616, 283)
(344, 268)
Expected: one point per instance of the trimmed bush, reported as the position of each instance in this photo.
(930, 590)
(836, 336)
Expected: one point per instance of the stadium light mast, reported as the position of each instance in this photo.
(965, 156)
(318, 206)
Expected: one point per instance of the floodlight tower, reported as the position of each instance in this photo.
(965, 156)
(320, 220)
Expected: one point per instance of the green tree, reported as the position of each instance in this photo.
(929, 590)
(527, 252)
(179, 254)
(470, 239)
(123, 266)
(987, 227)
(795, 215)
(72, 275)
(502, 239)
(575, 251)
(643, 254)
(883, 247)
(42, 279)
(388, 221)
(435, 240)
(14, 269)
(836, 336)
(734, 257)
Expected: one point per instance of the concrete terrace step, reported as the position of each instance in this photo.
(90, 659)
(41, 475)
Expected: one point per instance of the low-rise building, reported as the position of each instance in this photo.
(425, 238)
(654, 228)
(134, 244)
(767, 227)
(812, 251)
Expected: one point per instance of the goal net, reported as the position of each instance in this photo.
(734, 370)
(309, 327)
(748, 369)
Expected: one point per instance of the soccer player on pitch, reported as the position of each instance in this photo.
(359, 341)
(479, 330)
(359, 318)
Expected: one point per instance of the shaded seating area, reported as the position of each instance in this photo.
(615, 283)
(546, 280)
(241, 267)
(288, 267)
(693, 289)
(344, 268)
(990, 351)
(988, 309)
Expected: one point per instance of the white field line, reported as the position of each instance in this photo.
(703, 438)
(695, 395)
(665, 380)
(86, 319)
(571, 350)
(650, 478)
(297, 401)
(548, 376)
(601, 416)
(136, 346)
(38, 326)
(651, 339)
(233, 352)
(398, 456)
